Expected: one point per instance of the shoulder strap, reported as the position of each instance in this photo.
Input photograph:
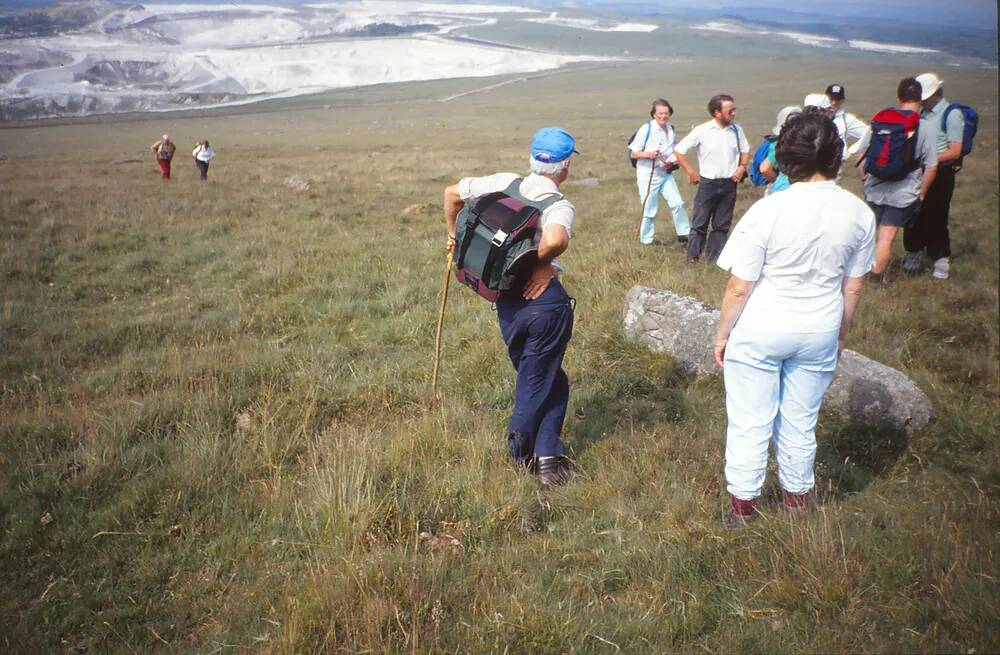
(944, 117)
(649, 132)
(736, 131)
(513, 191)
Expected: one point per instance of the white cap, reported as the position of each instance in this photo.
(816, 100)
(783, 116)
(929, 84)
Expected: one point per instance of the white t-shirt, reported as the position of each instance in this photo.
(533, 187)
(797, 247)
(651, 137)
(719, 148)
(850, 127)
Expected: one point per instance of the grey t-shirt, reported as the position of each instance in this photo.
(905, 192)
(954, 127)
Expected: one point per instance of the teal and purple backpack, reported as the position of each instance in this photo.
(495, 249)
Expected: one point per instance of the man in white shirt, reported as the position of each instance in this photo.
(723, 155)
(849, 126)
(536, 322)
(652, 148)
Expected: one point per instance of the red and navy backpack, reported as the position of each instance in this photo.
(892, 151)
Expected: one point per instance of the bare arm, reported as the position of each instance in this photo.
(733, 302)
(644, 154)
(693, 176)
(953, 152)
(852, 296)
(768, 171)
(453, 204)
(928, 179)
(554, 242)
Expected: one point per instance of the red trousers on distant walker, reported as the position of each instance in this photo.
(164, 168)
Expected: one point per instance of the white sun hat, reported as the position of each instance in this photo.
(929, 84)
(816, 100)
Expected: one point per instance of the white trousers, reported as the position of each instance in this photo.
(774, 386)
(663, 184)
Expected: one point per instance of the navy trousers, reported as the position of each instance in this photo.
(536, 333)
(713, 203)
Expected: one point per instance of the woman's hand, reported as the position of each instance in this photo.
(720, 351)
(840, 348)
(449, 244)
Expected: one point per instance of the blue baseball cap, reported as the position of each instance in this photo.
(552, 145)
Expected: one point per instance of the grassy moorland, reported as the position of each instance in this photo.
(214, 433)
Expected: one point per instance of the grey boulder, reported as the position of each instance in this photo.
(862, 390)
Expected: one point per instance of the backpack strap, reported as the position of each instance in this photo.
(649, 132)
(944, 116)
(513, 190)
(736, 131)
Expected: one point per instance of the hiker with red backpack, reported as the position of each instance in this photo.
(956, 127)
(506, 232)
(898, 167)
(651, 151)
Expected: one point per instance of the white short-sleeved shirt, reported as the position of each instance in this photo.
(849, 127)
(797, 247)
(533, 187)
(719, 148)
(652, 137)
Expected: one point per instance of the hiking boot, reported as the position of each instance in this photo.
(913, 262)
(740, 513)
(794, 503)
(941, 269)
(691, 261)
(682, 238)
(553, 471)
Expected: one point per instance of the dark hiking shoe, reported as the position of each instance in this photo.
(795, 503)
(740, 513)
(691, 261)
(682, 239)
(553, 471)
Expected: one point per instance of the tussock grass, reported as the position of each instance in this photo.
(214, 429)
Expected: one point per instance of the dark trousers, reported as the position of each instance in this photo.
(536, 333)
(930, 229)
(202, 168)
(713, 204)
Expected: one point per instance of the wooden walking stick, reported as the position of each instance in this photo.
(649, 186)
(437, 340)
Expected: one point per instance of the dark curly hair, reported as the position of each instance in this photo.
(808, 144)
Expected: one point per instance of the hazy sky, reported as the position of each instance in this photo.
(972, 13)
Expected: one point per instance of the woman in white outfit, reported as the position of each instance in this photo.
(652, 148)
(203, 154)
(797, 260)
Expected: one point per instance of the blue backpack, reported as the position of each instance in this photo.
(759, 156)
(970, 124)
